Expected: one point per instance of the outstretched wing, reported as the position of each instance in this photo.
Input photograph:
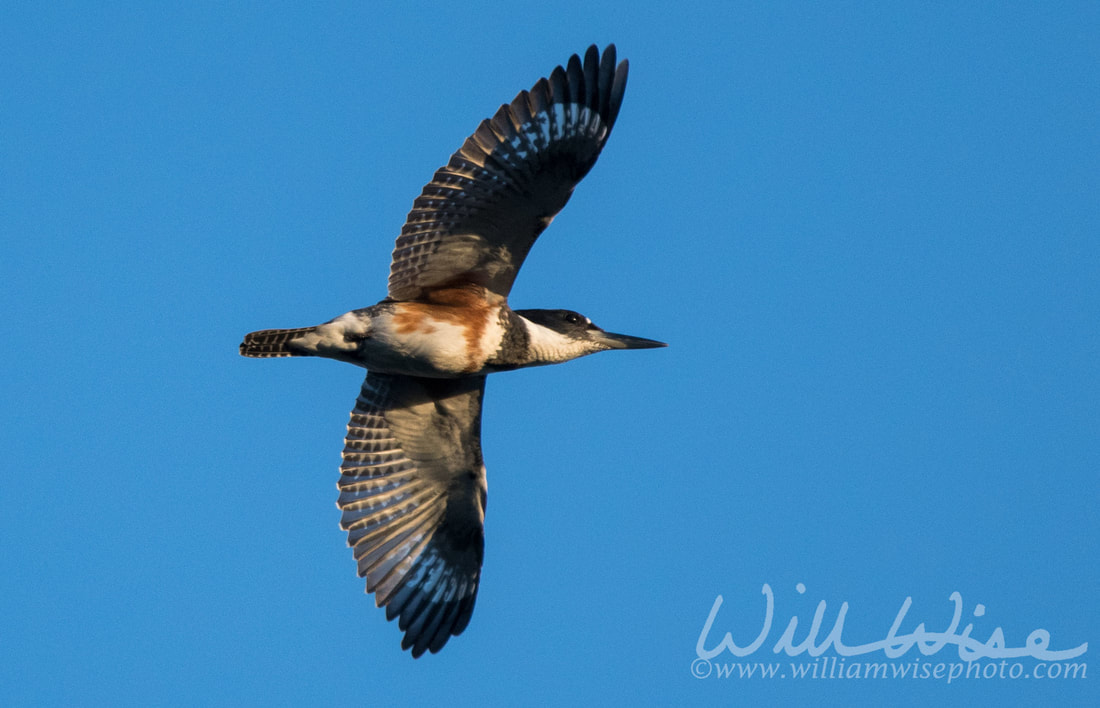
(412, 492)
(479, 216)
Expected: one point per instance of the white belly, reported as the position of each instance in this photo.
(432, 347)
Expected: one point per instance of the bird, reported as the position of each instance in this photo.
(412, 487)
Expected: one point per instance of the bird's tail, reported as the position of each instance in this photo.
(268, 343)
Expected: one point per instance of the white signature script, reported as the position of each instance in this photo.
(894, 645)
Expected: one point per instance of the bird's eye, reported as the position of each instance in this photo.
(572, 318)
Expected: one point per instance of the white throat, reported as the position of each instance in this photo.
(545, 346)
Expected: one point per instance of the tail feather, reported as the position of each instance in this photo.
(268, 343)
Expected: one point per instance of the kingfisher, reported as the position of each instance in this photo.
(412, 487)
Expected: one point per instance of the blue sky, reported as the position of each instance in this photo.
(869, 232)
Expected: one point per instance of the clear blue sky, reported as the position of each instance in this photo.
(870, 233)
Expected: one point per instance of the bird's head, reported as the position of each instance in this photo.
(578, 335)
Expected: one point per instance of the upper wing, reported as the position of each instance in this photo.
(478, 217)
(412, 492)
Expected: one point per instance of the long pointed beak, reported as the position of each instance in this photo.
(625, 341)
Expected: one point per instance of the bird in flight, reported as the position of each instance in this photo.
(412, 483)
